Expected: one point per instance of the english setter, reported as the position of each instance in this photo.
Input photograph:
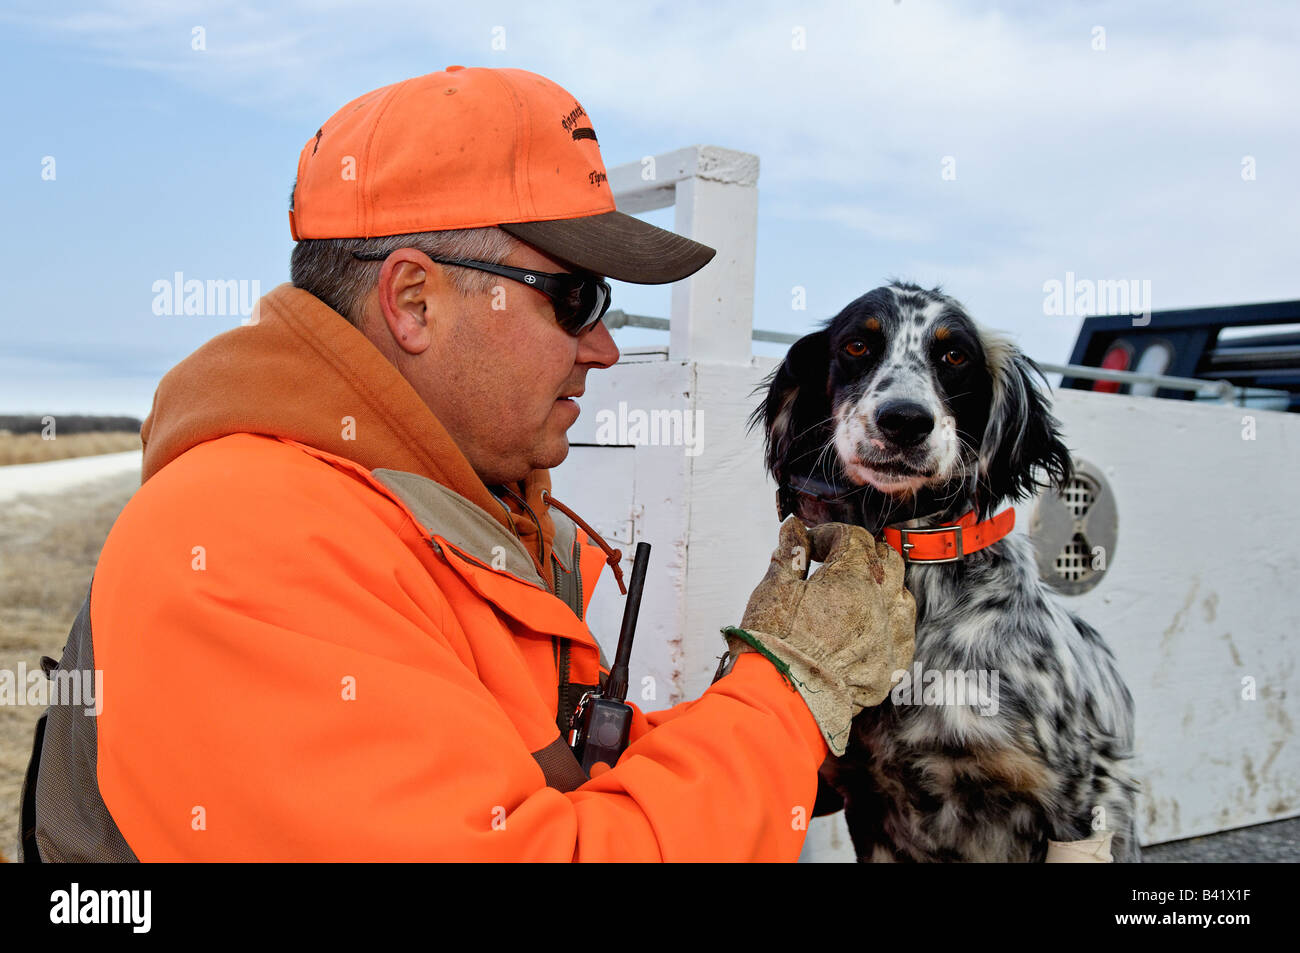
(903, 413)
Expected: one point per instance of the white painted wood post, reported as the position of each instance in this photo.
(715, 195)
(710, 541)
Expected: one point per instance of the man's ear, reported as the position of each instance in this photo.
(796, 402)
(408, 289)
(1021, 437)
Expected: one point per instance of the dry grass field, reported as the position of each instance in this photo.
(49, 544)
(32, 448)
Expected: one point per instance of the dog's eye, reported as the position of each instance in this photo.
(855, 348)
(954, 358)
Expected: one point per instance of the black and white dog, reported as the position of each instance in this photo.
(903, 413)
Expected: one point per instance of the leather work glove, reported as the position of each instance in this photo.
(839, 635)
(1094, 850)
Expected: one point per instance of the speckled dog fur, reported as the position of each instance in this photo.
(918, 415)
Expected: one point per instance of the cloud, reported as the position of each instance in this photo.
(1115, 162)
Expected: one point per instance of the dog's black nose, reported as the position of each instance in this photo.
(905, 422)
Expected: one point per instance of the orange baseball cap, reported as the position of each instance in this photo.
(468, 148)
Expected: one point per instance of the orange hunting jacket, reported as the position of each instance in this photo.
(323, 638)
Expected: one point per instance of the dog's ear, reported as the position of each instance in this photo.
(796, 400)
(1021, 437)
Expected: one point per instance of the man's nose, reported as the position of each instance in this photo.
(597, 347)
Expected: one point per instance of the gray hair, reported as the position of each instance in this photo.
(326, 268)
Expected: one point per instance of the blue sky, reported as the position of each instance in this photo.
(1116, 163)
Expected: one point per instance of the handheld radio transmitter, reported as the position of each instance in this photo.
(603, 720)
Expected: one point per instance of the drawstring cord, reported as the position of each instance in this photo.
(612, 556)
(541, 543)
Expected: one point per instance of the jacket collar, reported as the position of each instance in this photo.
(304, 373)
(462, 524)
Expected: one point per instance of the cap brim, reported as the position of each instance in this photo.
(616, 245)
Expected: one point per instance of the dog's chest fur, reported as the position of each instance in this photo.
(935, 780)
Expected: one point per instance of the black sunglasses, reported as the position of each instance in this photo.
(579, 300)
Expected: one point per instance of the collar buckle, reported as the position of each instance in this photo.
(905, 547)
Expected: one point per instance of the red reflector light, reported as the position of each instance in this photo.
(1117, 358)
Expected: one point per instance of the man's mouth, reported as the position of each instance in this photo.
(568, 401)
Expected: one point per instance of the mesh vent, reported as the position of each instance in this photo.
(1074, 562)
(1075, 531)
(1078, 497)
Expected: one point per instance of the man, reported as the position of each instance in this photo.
(342, 618)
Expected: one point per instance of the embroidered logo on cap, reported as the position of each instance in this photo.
(569, 123)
